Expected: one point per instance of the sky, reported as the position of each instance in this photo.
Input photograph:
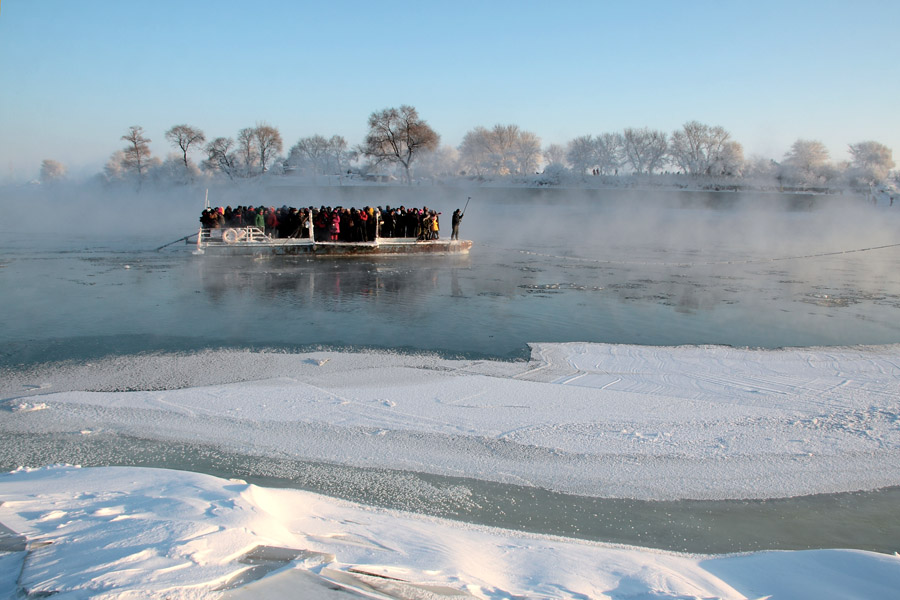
(74, 76)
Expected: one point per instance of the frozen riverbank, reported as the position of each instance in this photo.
(149, 533)
(590, 419)
(593, 419)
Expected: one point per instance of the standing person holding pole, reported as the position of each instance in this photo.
(457, 217)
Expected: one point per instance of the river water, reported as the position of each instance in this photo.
(547, 266)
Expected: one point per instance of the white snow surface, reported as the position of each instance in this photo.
(117, 532)
(591, 419)
(604, 420)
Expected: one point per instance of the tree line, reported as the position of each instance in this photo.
(400, 141)
(702, 150)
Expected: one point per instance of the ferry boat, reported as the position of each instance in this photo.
(252, 241)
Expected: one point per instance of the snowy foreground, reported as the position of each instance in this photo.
(602, 420)
(151, 533)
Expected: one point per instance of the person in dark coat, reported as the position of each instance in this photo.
(457, 217)
(387, 223)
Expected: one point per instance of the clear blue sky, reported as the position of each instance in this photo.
(75, 74)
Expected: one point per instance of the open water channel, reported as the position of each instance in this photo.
(655, 269)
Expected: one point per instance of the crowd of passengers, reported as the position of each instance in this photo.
(337, 224)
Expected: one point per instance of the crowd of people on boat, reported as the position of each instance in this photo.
(338, 224)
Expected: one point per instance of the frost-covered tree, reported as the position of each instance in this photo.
(475, 152)
(397, 136)
(502, 141)
(554, 154)
(317, 155)
(729, 161)
(603, 153)
(136, 155)
(645, 149)
(246, 151)
(807, 162)
(172, 170)
(268, 144)
(120, 168)
(502, 150)
(871, 162)
(221, 157)
(489, 151)
(51, 171)
(114, 169)
(699, 149)
(581, 154)
(609, 149)
(309, 155)
(761, 169)
(342, 154)
(440, 162)
(185, 138)
(527, 152)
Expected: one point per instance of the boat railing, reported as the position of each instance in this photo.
(232, 235)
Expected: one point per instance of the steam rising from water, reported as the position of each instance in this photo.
(607, 224)
(614, 265)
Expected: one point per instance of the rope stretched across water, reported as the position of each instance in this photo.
(689, 264)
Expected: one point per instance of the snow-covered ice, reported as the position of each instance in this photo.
(116, 532)
(592, 419)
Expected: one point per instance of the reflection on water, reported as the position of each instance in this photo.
(862, 520)
(334, 285)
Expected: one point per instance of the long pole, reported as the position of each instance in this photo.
(176, 241)
(466, 206)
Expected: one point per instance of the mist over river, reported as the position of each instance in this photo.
(611, 266)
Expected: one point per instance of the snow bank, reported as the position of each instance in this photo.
(151, 533)
(604, 420)
(591, 419)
